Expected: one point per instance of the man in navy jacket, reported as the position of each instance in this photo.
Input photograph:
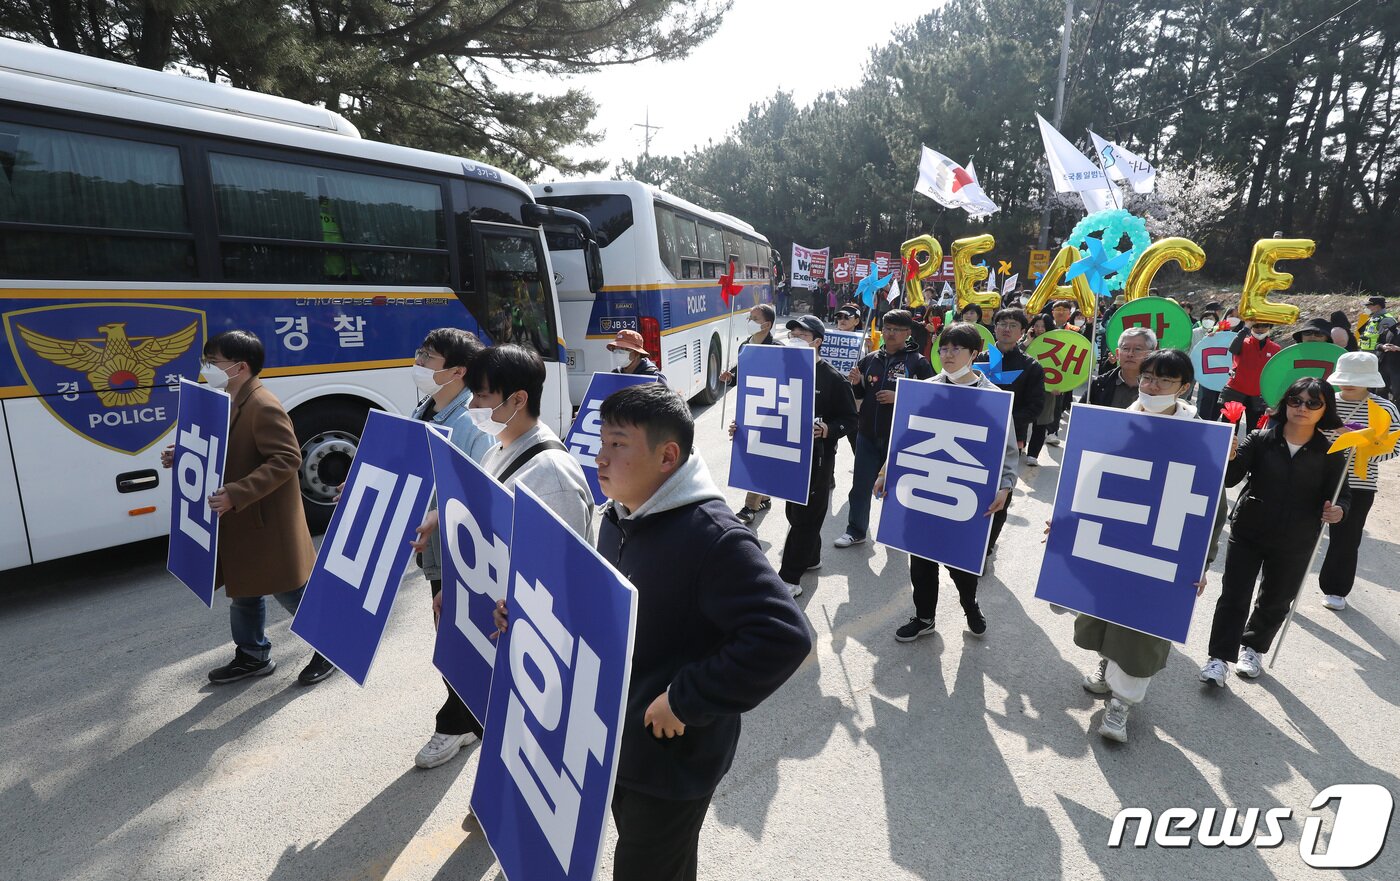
(717, 631)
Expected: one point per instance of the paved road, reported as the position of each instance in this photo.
(947, 758)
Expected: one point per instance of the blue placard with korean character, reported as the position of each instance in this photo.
(777, 405)
(201, 446)
(585, 435)
(1133, 517)
(842, 349)
(947, 443)
(558, 694)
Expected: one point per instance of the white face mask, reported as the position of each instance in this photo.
(215, 375)
(1208, 323)
(795, 343)
(481, 418)
(1260, 335)
(621, 358)
(956, 375)
(1156, 403)
(752, 326)
(423, 380)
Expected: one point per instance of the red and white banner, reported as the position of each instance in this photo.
(808, 266)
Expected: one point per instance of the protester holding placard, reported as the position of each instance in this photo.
(1356, 374)
(629, 355)
(760, 328)
(874, 380)
(440, 372)
(1021, 375)
(1046, 417)
(958, 346)
(1119, 386)
(835, 418)
(1282, 509)
(264, 545)
(1252, 350)
(1130, 658)
(717, 631)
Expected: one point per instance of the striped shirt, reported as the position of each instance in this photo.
(1355, 412)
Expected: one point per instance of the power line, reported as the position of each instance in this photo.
(1234, 73)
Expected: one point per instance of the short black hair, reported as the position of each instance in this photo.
(1013, 314)
(963, 335)
(508, 369)
(457, 347)
(655, 408)
(970, 307)
(1068, 304)
(238, 345)
(767, 311)
(898, 318)
(1312, 387)
(1169, 364)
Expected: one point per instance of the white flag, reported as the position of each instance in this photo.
(895, 291)
(950, 185)
(946, 296)
(1073, 172)
(991, 279)
(985, 206)
(1010, 284)
(1124, 165)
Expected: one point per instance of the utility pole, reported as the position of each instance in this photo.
(648, 128)
(1059, 117)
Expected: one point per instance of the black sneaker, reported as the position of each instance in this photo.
(975, 622)
(916, 628)
(765, 504)
(316, 669)
(746, 514)
(242, 666)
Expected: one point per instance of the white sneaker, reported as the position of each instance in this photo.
(1335, 603)
(795, 590)
(1032, 461)
(441, 748)
(846, 540)
(1053, 439)
(815, 566)
(1249, 665)
(1115, 721)
(1215, 672)
(1096, 681)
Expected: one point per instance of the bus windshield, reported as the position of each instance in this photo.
(610, 214)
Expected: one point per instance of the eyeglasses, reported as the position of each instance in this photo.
(1310, 403)
(424, 355)
(209, 362)
(1008, 325)
(948, 350)
(1157, 381)
(1133, 351)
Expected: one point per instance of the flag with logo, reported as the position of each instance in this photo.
(1073, 172)
(951, 185)
(1125, 166)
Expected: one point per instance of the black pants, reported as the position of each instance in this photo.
(1283, 570)
(1254, 407)
(658, 839)
(1037, 441)
(998, 521)
(803, 547)
(923, 575)
(1339, 567)
(1208, 404)
(453, 717)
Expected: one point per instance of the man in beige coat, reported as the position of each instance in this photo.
(264, 546)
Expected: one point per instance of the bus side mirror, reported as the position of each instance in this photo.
(593, 260)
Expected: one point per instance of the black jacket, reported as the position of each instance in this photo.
(645, 367)
(1102, 386)
(1029, 387)
(1282, 503)
(716, 629)
(836, 406)
(881, 371)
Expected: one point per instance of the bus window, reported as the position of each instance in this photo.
(666, 240)
(751, 265)
(689, 248)
(734, 250)
(276, 217)
(712, 250)
(123, 199)
(514, 303)
(610, 214)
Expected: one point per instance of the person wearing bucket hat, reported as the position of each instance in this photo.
(1315, 330)
(1355, 375)
(630, 356)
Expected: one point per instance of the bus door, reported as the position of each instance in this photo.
(14, 541)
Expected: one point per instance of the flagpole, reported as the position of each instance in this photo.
(1278, 646)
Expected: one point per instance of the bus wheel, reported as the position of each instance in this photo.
(328, 432)
(710, 393)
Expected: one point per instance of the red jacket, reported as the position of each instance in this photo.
(1249, 363)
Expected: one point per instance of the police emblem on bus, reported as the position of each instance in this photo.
(117, 384)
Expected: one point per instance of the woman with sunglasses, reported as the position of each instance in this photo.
(1285, 503)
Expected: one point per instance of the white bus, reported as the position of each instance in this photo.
(662, 258)
(142, 212)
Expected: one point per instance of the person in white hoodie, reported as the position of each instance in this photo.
(1128, 659)
(958, 347)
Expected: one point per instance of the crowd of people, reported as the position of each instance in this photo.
(718, 630)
